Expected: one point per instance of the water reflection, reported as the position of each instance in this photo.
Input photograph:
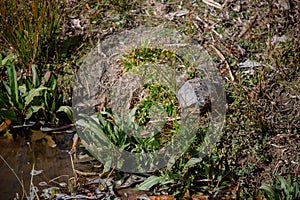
(22, 153)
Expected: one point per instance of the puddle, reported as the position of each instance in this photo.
(53, 169)
(50, 159)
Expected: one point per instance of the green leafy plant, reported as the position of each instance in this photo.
(147, 55)
(115, 128)
(29, 28)
(157, 94)
(24, 97)
(100, 132)
(141, 56)
(20, 101)
(54, 99)
(187, 171)
(191, 174)
(282, 188)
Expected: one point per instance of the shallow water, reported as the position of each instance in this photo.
(22, 154)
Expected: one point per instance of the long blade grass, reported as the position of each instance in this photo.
(28, 27)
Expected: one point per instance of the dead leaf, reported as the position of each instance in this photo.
(37, 135)
(162, 197)
(87, 6)
(4, 125)
(200, 197)
(50, 141)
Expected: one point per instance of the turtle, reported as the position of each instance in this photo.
(194, 93)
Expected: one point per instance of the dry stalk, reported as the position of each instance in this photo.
(218, 52)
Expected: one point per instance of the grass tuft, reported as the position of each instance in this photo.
(28, 28)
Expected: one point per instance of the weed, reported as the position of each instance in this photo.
(142, 56)
(22, 98)
(29, 27)
(159, 95)
(115, 128)
(190, 174)
(282, 188)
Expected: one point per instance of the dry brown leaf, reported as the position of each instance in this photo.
(4, 125)
(200, 197)
(37, 135)
(50, 141)
(162, 197)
